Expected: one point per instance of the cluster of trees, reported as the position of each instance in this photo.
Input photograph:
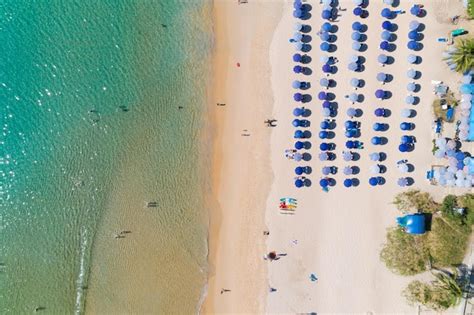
(443, 246)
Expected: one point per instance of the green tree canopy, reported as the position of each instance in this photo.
(463, 57)
(414, 200)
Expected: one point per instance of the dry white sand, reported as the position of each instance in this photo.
(339, 234)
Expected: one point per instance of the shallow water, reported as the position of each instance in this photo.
(87, 90)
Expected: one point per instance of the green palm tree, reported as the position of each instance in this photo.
(463, 57)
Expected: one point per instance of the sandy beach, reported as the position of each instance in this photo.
(337, 235)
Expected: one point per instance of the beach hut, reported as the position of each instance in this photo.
(414, 25)
(356, 46)
(413, 223)
(379, 112)
(374, 156)
(411, 87)
(412, 59)
(381, 77)
(410, 99)
(382, 59)
(411, 73)
(384, 45)
(386, 25)
(357, 26)
(355, 83)
(380, 94)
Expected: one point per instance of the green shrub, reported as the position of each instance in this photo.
(415, 201)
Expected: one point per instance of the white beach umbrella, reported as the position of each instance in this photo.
(375, 169)
(298, 26)
(459, 182)
(467, 79)
(357, 2)
(347, 156)
(297, 36)
(442, 181)
(406, 113)
(374, 156)
(388, 2)
(412, 58)
(467, 97)
(439, 153)
(441, 142)
(451, 144)
(355, 82)
(353, 58)
(298, 46)
(411, 73)
(450, 182)
(353, 97)
(356, 46)
(467, 183)
(324, 58)
(348, 170)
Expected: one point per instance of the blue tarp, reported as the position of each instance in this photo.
(413, 223)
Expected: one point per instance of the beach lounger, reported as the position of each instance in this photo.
(442, 39)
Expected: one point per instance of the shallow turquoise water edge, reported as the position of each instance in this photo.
(79, 82)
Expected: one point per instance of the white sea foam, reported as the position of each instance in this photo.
(82, 274)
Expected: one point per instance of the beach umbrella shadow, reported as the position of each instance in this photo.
(355, 170)
(307, 157)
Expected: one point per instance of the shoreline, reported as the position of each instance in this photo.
(235, 189)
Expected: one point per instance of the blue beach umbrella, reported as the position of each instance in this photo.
(410, 99)
(386, 35)
(298, 97)
(323, 156)
(299, 134)
(358, 11)
(353, 66)
(326, 170)
(412, 45)
(350, 144)
(356, 26)
(348, 170)
(373, 181)
(324, 36)
(376, 140)
(322, 95)
(384, 45)
(351, 112)
(299, 170)
(407, 139)
(406, 126)
(323, 134)
(378, 127)
(326, 14)
(402, 182)
(326, 104)
(415, 10)
(298, 111)
(412, 59)
(347, 183)
(297, 69)
(324, 46)
(414, 25)
(356, 36)
(381, 77)
(299, 145)
(297, 36)
(380, 94)
(355, 82)
(326, 27)
(325, 125)
(297, 57)
(414, 35)
(386, 13)
(358, 2)
(299, 183)
(382, 58)
(324, 146)
(411, 87)
(296, 84)
(379, 112)
(374, 156)
(411, 73)
(356, 46)
(326, 68)
(324, 183)
(350, 124)
(298, 13)
(386, 25)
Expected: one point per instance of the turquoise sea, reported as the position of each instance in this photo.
(89, 109)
